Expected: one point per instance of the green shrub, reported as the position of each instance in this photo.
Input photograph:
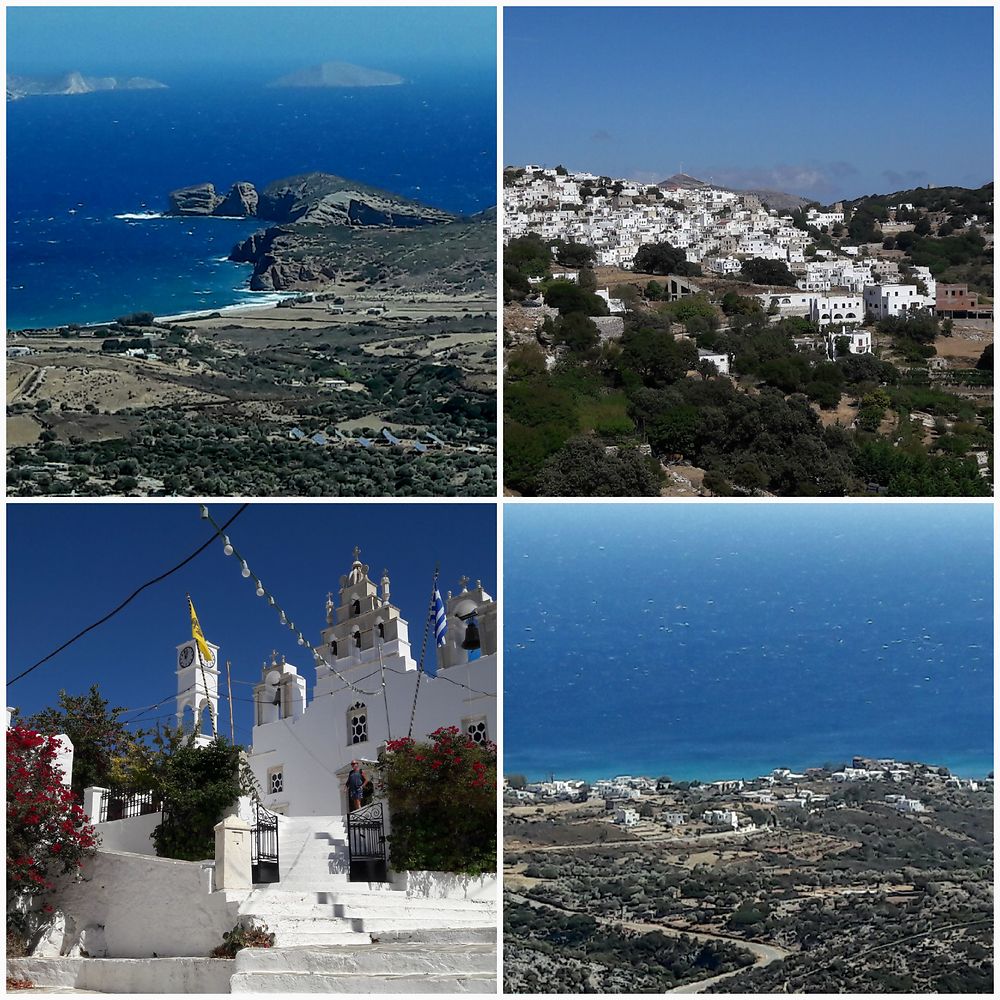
(246, 934)
(442, 798)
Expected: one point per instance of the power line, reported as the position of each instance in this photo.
(128, 600)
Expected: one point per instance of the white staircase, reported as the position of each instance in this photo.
(337, 936)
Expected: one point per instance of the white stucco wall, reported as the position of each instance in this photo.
(131, 835)
(145, 905)
(314, 748)
(446, 885)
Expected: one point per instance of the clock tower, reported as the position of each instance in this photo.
(198, 690)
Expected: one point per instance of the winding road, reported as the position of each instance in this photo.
(764, 954)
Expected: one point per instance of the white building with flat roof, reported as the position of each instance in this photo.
(883, 301)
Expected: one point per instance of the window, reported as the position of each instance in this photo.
(275, 780)
(476, 730)
(357, 723)
(356, 608)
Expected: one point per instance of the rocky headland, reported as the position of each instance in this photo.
(338, 74)
(328, 228)
(74, 82)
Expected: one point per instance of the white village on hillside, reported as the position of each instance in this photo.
(719, 230)
(298, 860)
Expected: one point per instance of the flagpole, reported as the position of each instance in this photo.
(423, 648)
(229, 684)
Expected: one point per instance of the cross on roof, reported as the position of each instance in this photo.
(463, 582)
(357, 553)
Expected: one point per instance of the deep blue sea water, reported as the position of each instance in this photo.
(720, 640)
(76, 164)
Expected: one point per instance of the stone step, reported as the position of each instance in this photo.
(306, 982)
(443, 935)
(359, 905)
(285, 925)
(375, 959)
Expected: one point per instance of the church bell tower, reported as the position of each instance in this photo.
(198, 691)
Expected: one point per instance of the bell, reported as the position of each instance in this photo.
(471, 640)
(277, 697)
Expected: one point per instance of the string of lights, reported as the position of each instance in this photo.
(245, 571)
(128, 600)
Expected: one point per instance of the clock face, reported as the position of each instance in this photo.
(187, 656)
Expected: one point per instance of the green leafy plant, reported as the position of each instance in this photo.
(442, 798)
(48, 833)
(198, 784)
(246, 934)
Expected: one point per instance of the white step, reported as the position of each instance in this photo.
(312, 982)
(375, 959)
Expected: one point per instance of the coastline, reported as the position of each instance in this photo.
(962, 767)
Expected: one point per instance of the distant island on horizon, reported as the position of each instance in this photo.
(74, 82)
(338, 74)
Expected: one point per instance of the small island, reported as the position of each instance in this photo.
(74, 82)
(338, 74)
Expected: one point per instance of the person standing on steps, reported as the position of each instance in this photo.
(356, 782)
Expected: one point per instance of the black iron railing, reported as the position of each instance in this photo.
(126, 803)
(264, 847)
(366, 844)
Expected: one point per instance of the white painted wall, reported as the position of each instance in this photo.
(130, 835)
(144, 905)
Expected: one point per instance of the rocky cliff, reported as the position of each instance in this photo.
(316, 199)
(328, 227)
(202, 199)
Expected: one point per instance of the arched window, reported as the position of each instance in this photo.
(333, 646)
(357, 723)
(381, 630)
(356, 607)
(357, 639)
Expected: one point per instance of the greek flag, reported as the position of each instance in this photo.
(440, 618)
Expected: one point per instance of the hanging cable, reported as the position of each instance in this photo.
(423, 649)
(129, 599)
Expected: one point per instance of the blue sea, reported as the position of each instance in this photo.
(712, 641)
(87, 177)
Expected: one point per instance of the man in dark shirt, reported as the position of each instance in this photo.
(356, 782)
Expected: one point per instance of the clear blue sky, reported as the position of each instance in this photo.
(69, 564)
(818, 101)
(172, 42)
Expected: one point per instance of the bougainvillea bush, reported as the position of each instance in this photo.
(48, 833)
(443, 803)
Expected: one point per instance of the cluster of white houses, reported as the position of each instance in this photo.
(719, 229)
(616, 217)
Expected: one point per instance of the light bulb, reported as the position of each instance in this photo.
(284, 620)
(291, 626)
(227, 546)
(270, 599)
(260, 589)
(302, 641)
(204, 512)
(245, 571)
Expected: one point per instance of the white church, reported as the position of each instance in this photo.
(290, 862)
(367, 690)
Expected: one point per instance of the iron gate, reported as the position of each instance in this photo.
(264, 848)
(366, 844)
